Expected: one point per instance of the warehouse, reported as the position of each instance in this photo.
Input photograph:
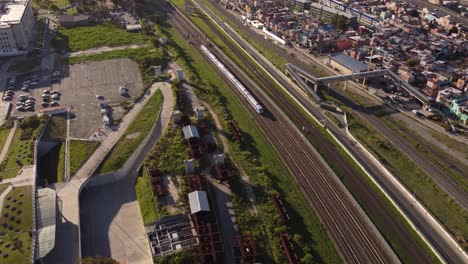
(345, 64)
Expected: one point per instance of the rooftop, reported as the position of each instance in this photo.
(348, 62)
(13, 12)
(190, 132)
(198, 202)
(46, 221)
(331, 10)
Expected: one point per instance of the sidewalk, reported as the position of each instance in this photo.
(6, 147)
(67, 246)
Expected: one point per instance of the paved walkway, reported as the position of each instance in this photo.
(119, 231)
(103, 49)
(67, 247)
(8, 142)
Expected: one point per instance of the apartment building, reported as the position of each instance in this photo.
(16, 27)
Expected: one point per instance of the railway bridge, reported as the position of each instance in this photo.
(310, 83)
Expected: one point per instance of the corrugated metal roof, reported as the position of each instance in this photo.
(348, 62)
(46, 221)
(198, 202)
(190, 132)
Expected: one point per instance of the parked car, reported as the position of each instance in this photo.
(123, 91)
(22, 99)
(99, 97)
(19, 103)
(55, 96)
(29, 108)
(20, 108)
(45, 96)
(46, 92)
(45, 104)
(31, 98)
(7, 98)
(25, 89)
(54, 104)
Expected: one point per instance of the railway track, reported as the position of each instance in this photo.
(353, 236)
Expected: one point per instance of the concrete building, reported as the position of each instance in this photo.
(325, 13)
(16, 27)
(68, 21)
(345, 64)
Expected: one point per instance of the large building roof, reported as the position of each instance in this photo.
(350, 63)
(331, 10)
(13, 12)
(198, 202)
(46, 221)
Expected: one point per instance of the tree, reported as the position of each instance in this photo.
(98, 260)
(412, 62)
(453, 30)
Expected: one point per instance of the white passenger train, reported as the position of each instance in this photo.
(258, 108)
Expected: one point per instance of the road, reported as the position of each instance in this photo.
(423, 221)
(67, 248)
(355, 237)
(441, 11)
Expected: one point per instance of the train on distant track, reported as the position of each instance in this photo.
(252, 101)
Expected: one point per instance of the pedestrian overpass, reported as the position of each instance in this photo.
(305, 79)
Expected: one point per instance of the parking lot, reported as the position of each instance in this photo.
(79, 87)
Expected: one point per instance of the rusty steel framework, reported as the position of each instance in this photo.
(281, 209)
(236, 132)
(289, 248)
(244, 249)
(206, 224)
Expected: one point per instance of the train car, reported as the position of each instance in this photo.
(250, 99)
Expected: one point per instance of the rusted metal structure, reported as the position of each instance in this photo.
(289, 248)
(281, 209)
(206, 224)
(236, 132)
(244, 249)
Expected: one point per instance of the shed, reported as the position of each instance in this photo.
(133, 27)
(190, 132)
(198, 202)
(73, 21)
(346, 64)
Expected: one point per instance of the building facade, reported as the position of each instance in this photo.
(16, 27)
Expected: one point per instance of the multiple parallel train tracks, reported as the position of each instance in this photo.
(353, 235)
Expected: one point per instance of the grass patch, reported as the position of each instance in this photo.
(3, 187)
(334, 119)
(17, 234)
(56, 128)
(52, 165)
(20, 152)
(150, 208)
(144, 57)
(134, 135)
(4, 132)
(429, 150)
(447, 211)
(450, 143)
(80, 151)
(105, 34)
(169, 153)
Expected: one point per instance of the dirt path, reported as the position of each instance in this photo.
(103, 49)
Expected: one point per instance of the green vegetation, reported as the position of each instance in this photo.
(21, 148)
(52, 165)
(80, 151)
(16, 226)
(3, 187)
(428, 149)
(169, 153)
(105, 34)
(4, 132)
(377, 219)
(450, 143)
(448, 212)
(334, 119)
(180, 257)
(56, 128)
(260, 161)
(50, 4)
(145, 57)
(150, 208)
(134, 135)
